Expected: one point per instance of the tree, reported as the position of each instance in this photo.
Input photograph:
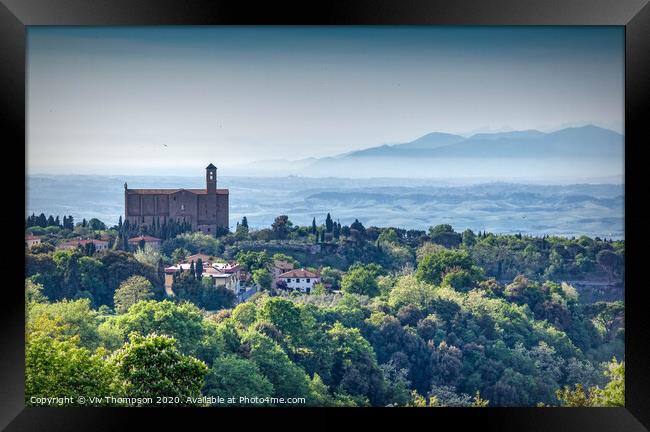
(148, 255)
(388, 236)
(41, 248)
(610, 261)
(131, 291)
(215, 298)
(356, 225)
(355, 369)
(433, 266)
(319, 289)
(313, 226)
(608, 315)
(469, 238)
(329, 224)
(263, 278)
(337, 230)
(183, 322)
(120, 265)
(286, 258)
(75, 318)
(613, 395)
(360, 280)
(447, 239)
(251, 261)
(70, 224)
(284, 314)
(331, 276)
(56, 367)
(152, 366)
(281, 226)
(242, 228)
(34, 292)
(199, 268)
(288, 379)
(95, 224)
(442, 228)
(179, 255)
(231, 376)
(90, 249)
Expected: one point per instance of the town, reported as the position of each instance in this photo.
(338, 314)
(203, 211)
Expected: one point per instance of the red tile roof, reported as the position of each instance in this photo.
(145, 238)
(301, 273)
(282, 265)
(31, 237)
(205, 258)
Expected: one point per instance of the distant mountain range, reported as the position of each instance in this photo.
(576, 141)
(580, 152)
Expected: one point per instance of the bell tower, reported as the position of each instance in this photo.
(211, 179)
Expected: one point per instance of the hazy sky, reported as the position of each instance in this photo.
(136, 100)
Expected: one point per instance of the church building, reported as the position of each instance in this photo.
(206, 209)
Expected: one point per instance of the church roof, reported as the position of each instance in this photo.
(211, 167)
(171, 191)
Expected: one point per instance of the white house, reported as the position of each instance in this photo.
(135, 242)
(31, 240)
(223, 274)
(301, 279)
(100, 245)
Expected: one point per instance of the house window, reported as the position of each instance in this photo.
(297, 280)
(288, 280)
(307, 280)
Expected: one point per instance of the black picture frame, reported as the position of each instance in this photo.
(15, 15)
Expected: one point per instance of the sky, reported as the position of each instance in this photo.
(155, 100)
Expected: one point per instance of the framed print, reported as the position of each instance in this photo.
(429, 211)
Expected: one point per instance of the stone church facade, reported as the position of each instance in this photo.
(206, 209)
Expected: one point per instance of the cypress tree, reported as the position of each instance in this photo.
(329, 224)
(42, 220)
(337, 230)
(161, 269)
(199, 268)
(313, 226)
(192, 269)
(244, 222)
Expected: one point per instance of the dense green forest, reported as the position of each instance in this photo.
(403, 317)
